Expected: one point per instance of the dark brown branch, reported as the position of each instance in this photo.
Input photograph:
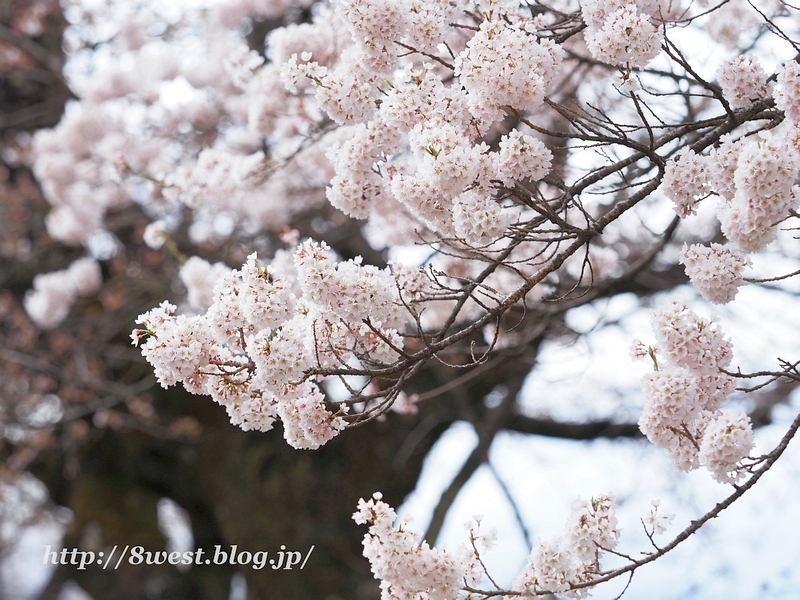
(492, 423)
(589, 430)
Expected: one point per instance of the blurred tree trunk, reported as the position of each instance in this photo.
(245, 489)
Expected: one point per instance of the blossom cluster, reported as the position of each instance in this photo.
(764, 180)
(752, 176)
(557, 566)
(684, 393)
(754, 180)
(179, 123)
(743, 81)
(787, 94)
(199, 276)
(622, 33)
(686, 181)
(263, 330)
(75, 166)
(503, 66)
(53, 294)
(409, 569)
(715, 270)
(413, 152)
(730, 22)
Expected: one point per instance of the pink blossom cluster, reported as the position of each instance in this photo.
(347, 92)
(127, 121)
(184, 122)
(199, 276)
(143, 127)
(504, 65)
(379, 24)
(764, 180)
(53, 294)
(725, 441)
(686, 181)
(412, 153)
(622, 33)
(357, 189)
(728, 24)
(722, 166)
(263, 330)
(348, 88)
(222, 179)
(74, 164)
(556, 566)
(715, 270)
(787, 93)
(743, 80)
(754, 179)
(410, 570)
(684, 392)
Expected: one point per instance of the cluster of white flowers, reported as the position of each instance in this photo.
(725, 441)
(722, 166)
(504, 65)
(418, 95)
(199, 276)
(715, 270)
(347, 93)
(754, 179)
(306, 421)
(451, 188)
(684, 393)
(379, 24)
(126, 126)
(743, 81)
(356, 188)
(410, 570)
(220, 178)
(731, 20)
(787, 94)
(352, 291)
(264, 329)
(765, 173)
(195, 112)
(556, 566)
(74, 165)
(407, 569)
(622, 33)
(685, 182)
(412, 153)
(521, 157)
(176, 346)
(53, 294)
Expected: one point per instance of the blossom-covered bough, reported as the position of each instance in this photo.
(521, 145)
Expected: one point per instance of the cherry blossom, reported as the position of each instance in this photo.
(715, 270)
